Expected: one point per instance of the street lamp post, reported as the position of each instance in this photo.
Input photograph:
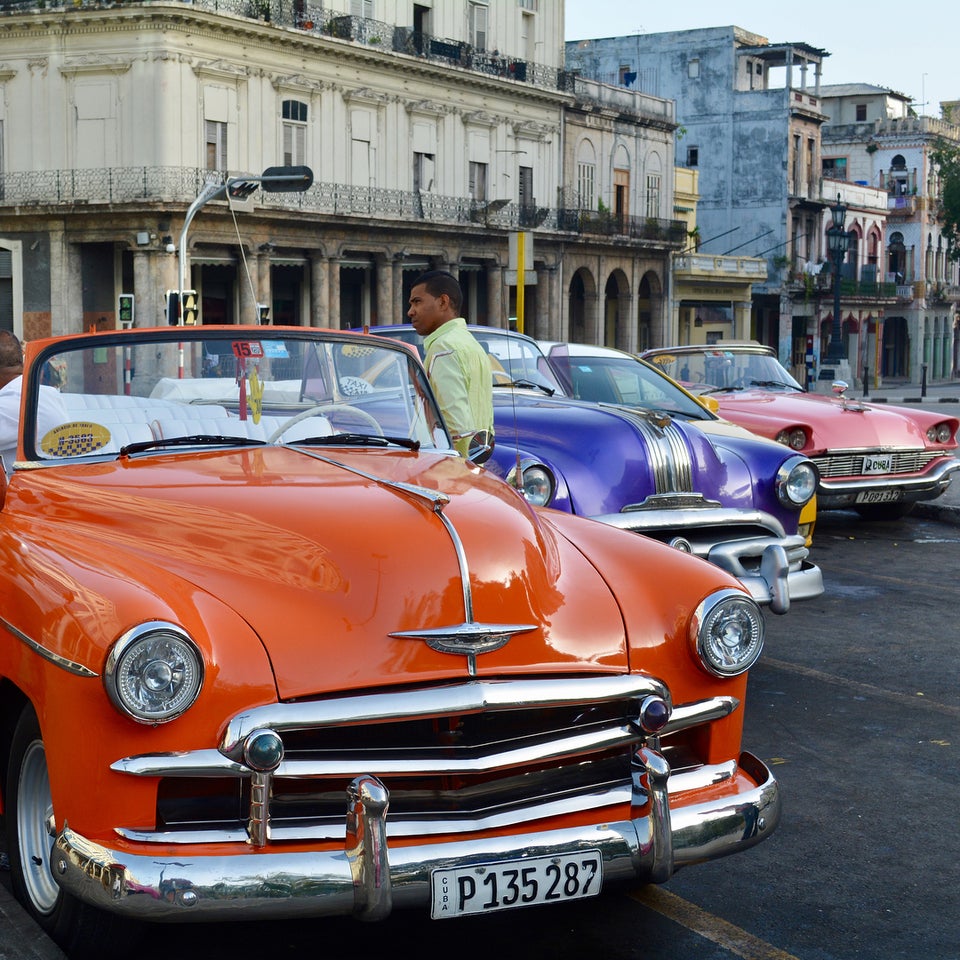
(838, 242)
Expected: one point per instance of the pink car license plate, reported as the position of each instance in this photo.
(878, 463)
(487, 887)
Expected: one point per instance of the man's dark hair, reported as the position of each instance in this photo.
(11, 353)
(439, 282)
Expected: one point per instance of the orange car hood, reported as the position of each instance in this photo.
(325, 565)
(835, 424)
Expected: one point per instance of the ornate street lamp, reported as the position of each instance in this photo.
(838, 242)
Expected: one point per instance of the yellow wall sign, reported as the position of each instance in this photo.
(74, 439)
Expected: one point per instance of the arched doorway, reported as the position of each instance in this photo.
(896, 348)
(582, 290)
(616, 306)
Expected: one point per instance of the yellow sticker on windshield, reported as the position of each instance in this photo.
(662, 359)
(74, 439)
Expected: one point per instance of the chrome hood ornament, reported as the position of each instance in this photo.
(468, 638)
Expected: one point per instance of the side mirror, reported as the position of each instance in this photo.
(839, 387)
(480, 448)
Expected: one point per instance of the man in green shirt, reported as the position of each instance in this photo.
(457, 365)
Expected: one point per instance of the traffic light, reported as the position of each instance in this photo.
(173, 307)
(263, 313)
(189, 308)
(125, 309)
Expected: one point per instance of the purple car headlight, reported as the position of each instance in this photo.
(535, 481)
(796, 482)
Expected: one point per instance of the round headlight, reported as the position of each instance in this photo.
(796, 482)
(537, 483)
(794, 438)
(939, 433)
(154, 672)
(728, 632)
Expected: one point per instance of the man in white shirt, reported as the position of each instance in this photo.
(51, 412)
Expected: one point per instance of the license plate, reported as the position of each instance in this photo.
(488, 887)
(879, 496)
(878, 463)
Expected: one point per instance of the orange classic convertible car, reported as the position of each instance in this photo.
(271, 649)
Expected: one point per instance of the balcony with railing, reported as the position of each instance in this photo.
(318, 21)
(40, 190)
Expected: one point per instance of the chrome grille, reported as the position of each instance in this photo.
(849, 463)
(470, 754)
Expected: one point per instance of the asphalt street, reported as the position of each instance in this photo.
(22, 939)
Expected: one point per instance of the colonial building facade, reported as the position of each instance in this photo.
(435, 131)
(774, 149)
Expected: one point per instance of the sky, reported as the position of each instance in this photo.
(867, 43)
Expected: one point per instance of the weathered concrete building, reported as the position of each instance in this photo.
(874, 139)
(434, 131)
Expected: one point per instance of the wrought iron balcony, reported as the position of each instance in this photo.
(315, 19)
(136, 186)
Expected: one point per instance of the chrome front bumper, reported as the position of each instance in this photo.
(773, 566)
(369, 879)
(836, 494)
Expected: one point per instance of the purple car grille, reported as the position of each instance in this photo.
(850, 463)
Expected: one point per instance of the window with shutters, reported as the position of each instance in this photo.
(653, 195)
(526, 187)
(478, 14)
(361, 8)
(478, 181)
(215, 142)
(423, 171)
(294, 114)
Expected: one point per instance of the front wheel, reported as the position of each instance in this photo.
(79, 929)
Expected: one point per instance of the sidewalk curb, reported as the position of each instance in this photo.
(944, 512)
(905, 400)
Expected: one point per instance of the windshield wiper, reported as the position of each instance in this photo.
(359, 440)
(721, 390)
(528, 385)
(773, 383)
(198, 440)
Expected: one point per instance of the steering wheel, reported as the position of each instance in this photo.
(325, 408)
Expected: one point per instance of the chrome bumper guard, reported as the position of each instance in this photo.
(773, 567)
(368, 878)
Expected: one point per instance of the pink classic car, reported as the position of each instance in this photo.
(876, 459)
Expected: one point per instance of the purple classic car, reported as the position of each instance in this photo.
(670, 470)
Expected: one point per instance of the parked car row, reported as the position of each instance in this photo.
(650, 459)
(336, 669)
(270, 648)
(876, 459)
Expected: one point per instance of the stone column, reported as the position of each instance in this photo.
(264, 291)
(400, 306)
(333, 318)
(384, 312)
(248, 301)
(319, 290)
(495, 317)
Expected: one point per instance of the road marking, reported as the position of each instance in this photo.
(912, 700)
(724, 934)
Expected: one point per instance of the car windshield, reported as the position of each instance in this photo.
(170, 388)
(515, 360)
(609, 378)
(716, 369)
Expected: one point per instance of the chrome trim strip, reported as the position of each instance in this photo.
(639, 519)
(332, 829)
(699, 711)
(323, 883)
(480, 762)
(474, 696)
(365, 846)
(71, 666)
